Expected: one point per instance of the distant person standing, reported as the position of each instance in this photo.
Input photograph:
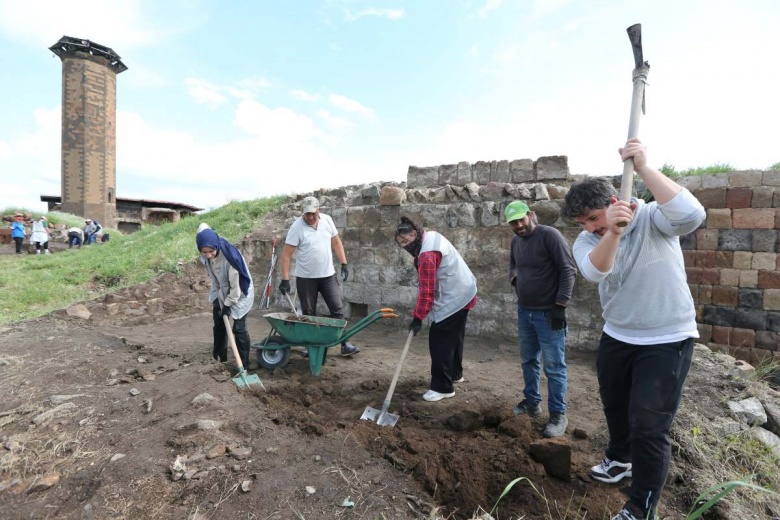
(40, 235)
(75, 237)
(313, 235)
(91, 231)
(18, 233)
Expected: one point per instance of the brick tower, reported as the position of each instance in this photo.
(88, 128)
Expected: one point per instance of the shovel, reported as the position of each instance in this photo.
(243, 379)
(292, 304)
(383, 418)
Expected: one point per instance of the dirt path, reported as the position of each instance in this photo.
(245, 454)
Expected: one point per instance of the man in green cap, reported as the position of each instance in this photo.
(542, 271)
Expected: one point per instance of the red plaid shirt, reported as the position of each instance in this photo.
(427, 265)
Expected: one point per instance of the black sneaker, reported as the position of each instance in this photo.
(348, 349)
(631, 512)
(526, 408)
(556, 426)
(611, 471)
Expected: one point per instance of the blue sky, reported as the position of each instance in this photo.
(227, 100)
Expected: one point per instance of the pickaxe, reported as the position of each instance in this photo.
(641, 68)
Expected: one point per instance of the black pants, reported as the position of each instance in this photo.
(240, 332)
(74, 239)
(308, 290)
(641, 387)
(39, 245)
(19, 241)
(445, 343)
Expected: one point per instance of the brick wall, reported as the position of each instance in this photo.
(732, 262)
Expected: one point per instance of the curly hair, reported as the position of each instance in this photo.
(587, 195)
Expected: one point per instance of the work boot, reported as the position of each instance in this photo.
(556, 426)
(524, 407)
(348, 349)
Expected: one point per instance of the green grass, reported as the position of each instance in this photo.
(775, 167)
(34, 285)
(670, 171)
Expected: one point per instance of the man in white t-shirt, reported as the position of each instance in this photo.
(313, 235)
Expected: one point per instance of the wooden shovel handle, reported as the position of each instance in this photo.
(232, 341)
(390, 391)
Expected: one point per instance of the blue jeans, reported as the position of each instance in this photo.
(537, 340)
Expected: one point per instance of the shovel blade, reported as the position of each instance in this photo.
(243, 380)
(387, 419)
(370, 414)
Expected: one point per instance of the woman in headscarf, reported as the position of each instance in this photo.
(40, 235)
(447, 290)
(232, 291)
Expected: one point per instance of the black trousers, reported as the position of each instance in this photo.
(641, 387)
(240, 332)
(445, 343)
(74, 239)
(19, 241)
(309, 289)
(39, 245)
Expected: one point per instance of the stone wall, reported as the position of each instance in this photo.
(732, 262)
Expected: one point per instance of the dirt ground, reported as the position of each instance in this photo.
(134, 436)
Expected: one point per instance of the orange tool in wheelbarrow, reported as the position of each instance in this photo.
(315, 333)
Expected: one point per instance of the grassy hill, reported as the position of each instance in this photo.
(33, 285)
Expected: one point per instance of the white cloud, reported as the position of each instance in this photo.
(280, 124)
(204, 93)
(353, 107)
(333, 122)
(302, 95)
(490, 5)
(390, 14)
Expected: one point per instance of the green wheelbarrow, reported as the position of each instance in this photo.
(315, 333)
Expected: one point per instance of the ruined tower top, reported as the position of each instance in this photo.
(69, 45)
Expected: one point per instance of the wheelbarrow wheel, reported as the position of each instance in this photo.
(273, 358)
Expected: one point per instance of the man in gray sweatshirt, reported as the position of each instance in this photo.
(632, 250)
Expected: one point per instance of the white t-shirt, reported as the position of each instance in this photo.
(313, 257)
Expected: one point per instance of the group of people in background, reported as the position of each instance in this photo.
(40, 235)
(630, 249)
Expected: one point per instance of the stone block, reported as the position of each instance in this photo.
(772, 319)
(764, 240)
(767, 340)
(391, 215)
(743, 260)
(750, 218)
(764, 261)
(490, 214)
(725, 295)
(768, 280)
(710, 275)
(745, 338)
(499, 171)
(716, 315)
(465, 174)
(771, 178)
(729, 277)
(751, 298)
(707, 239)
(522, 170)
(763, 196)
(772, 299)
(417, 177)
(481, 172)
(688, 241)
(739, 198)
(705, 294)
(690, 182)
(492, 191)
(724, 259)
(552, 168)
(711, 198)
(721, 334)
(733, 239)
(715, 180)
(392, 196)
(693, 274)
(705, 332)
(749, 410)
(748, 278)
(719, 218)
(745, 178)
(753, 319)
(448, 174)
(460, 215)
(355, 217)
(339, 216)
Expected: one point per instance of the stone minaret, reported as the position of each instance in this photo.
(88, 128)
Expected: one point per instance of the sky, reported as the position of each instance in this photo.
(235, 100)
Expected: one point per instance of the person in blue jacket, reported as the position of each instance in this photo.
(18, 233)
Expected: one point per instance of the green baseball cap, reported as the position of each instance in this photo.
(516, 210)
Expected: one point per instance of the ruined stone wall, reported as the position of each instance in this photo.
(732, 262)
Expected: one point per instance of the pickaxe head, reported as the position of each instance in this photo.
(635, 35)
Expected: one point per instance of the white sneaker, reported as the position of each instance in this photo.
(461, 380)
(47, 252)
(611, 471)
(433, 395)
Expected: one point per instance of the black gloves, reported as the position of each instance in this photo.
(225, 311)
(558, 317)
(415, 325)
(514, 281)
(284, 287)
(344, 272)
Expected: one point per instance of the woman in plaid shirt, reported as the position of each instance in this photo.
(447, 290)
